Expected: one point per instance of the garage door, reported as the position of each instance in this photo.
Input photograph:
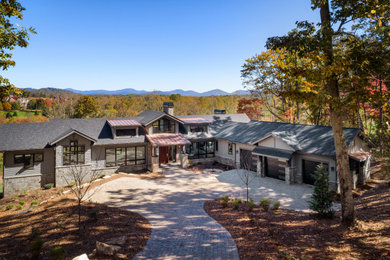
(247, 160)
(274, 168)
(308, 170)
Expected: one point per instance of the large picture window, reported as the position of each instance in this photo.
(74, 154)
(163, 126)
(125, 156)
(198, 150)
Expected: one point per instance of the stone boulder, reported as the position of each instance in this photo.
(104, 249)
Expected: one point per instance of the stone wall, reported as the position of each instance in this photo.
(20, 184)
(66, 174)
(225, 161)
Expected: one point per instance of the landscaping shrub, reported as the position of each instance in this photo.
(15, 106)
(224, 201)
(9, 115)
(236, 203)
(276, 205)
(7, 106)
(19, 207)
(72, 183)
(251, 204)
(15, 114)
(102, 176)
(265, 204)
(321, 199)
(36, 247)
(22, 202)
(57, 253)
(9, 206)
(34, 203)
(48, 186)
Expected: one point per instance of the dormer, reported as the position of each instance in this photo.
(124, 128)
(195, 125)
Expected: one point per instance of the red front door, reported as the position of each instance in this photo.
(164, 154)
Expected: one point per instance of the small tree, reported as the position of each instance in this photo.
(80, 179)
(244, 173)
(321, 200)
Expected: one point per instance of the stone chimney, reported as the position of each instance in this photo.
(168, 108)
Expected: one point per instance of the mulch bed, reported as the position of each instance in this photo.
(56, 222)
(285, 234)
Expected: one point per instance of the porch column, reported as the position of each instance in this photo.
(287, 174)
(259, 165)
(183, 160)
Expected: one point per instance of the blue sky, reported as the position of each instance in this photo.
(151, 45)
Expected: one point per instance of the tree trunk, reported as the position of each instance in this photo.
(79, 205)
(345, 178)
(380, 128)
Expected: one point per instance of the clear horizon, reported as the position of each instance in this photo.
(147, 45)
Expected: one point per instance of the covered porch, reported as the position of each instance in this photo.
(167, 148)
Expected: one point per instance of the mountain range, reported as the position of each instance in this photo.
(129, 91)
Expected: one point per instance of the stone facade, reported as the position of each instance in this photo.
(20, 184)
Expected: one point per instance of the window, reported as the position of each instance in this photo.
(198, 128)
(200, 150)
(125, 156)
(28, 159)
(110, 157)
(126, 132)
(74, 154)
(120, 156)
(163, 126)
(230, 148)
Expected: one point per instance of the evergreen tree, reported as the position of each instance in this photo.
(321, 200)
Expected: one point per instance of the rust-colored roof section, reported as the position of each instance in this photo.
(360, 156)
(123, 122)
(167, 139)
(194, 120)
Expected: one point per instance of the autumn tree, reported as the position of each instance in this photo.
(12, 35)
(86, 107)
(252, 107)
(270, 74)
(337, 75)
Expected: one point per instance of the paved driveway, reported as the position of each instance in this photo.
(181, 229)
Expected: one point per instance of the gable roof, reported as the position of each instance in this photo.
(27, 136)
(149, 116)
(312, 139)
(68, 133)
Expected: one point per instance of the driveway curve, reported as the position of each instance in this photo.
(181, 229)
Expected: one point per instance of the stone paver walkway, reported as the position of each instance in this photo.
(181, 229)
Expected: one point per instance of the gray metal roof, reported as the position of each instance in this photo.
(26, 136)
(272, 152)
(148, 116)
(305, 138)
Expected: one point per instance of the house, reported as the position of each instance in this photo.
(36, 154)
